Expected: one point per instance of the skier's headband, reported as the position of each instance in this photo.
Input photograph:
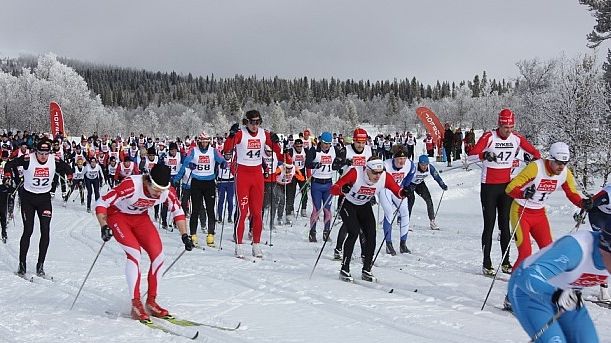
(162, 188)
(375, 165)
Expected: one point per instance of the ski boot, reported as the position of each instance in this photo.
(337, 254)
(64, 195)
(345, 275)
(210, 240)
(488, 271)
(366, 275)
(434, 225)
(219, 221)
(303, 212)
(229, 220)
(239, 251)
(195, 240)
(138, 312)
(154, 309)
(256, 250)
(506, 268)
(390, 250)
(507, 304)
(164, 227)
(40, 270)
(4, 237)
(88, 209)
(312, 236)
(52, 194)
(287, 221)
(403, 248)
(280, 223)
(325, 236)
(603, 295)
(22, 269)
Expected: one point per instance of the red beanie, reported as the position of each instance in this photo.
(506, 117)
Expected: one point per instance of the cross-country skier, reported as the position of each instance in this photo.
(298, 153)
(402, 171)
(249, 142)
(529, 189)
(600, 217)
(418, 186)
(284, 177)
(125, 169)
(202, 161)
(548, 285)
(6, 191)
(123, 213)
(226, 189)
(358, 186)
(355, 154)
(38, 172)
(94, 178)
(321, 160)
(497, 149)
(174, 161)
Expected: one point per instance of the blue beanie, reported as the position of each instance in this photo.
(326, 137)
(424, 159)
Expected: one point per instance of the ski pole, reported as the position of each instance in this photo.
(87, 276)
(325, 240)
(580, 219)
(545, 326)
(303, 190)
(226, 211)
(504, 254)
(168, 269)
(322, 208)
(439, 203)
(385, 236)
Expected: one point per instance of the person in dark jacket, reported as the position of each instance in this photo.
(448, 143)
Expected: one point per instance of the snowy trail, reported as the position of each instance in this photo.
(437, 290)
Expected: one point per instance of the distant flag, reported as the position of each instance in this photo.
(57, 119)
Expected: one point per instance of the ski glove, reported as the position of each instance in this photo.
(444, 186)
(567, 299)
(186, 239)
(275, 138)
(373, 201)
(192, 166)
(106, 233)
(587, 204)
(316, 165)
(529, 192)
(490, 156)
(404, 192)
(346, 189)
(348, 163)
(234, 129)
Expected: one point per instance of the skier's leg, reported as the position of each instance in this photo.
(389, 208)
(503, 207)
(27, 215)
(523, 229)
(121, 227)
(148, 238)
(44, 211)
(326, 194)
(488, 203)
(209, 194)
(196, 204)
(256, 206)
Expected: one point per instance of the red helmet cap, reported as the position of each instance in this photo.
(359, 135)
(506, 117)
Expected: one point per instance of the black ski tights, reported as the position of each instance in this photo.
(31, 204)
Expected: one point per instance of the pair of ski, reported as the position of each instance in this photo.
(158, 324)
(32, 277)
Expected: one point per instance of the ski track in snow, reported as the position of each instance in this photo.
(437, 290)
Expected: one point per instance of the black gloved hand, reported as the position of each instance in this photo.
(587, 203)
(275, 138)
(529, 192)
(567, 299)
(346, 189)
(106, 233)
(404, 192)
(186, 239)
(490, 156)
(316, 165)
(234, 129)
(348, 163)
(373, 201)
(444, 186)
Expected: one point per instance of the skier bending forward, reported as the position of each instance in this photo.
(123, 212)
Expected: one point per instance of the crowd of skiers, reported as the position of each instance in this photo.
(253, 171)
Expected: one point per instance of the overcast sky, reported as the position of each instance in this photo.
(374, 39)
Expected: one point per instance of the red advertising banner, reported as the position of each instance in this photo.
(57, 119)
(431, 122)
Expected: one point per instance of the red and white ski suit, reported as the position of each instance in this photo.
(126, 207)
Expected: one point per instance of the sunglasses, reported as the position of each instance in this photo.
(376, 172)
(254, 121)
(42, 153)
(564, 163)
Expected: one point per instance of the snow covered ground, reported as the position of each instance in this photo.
(437, 291)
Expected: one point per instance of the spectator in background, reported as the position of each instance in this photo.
(448, 143)
(469, 141)
(430, 145)
(457, 144)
